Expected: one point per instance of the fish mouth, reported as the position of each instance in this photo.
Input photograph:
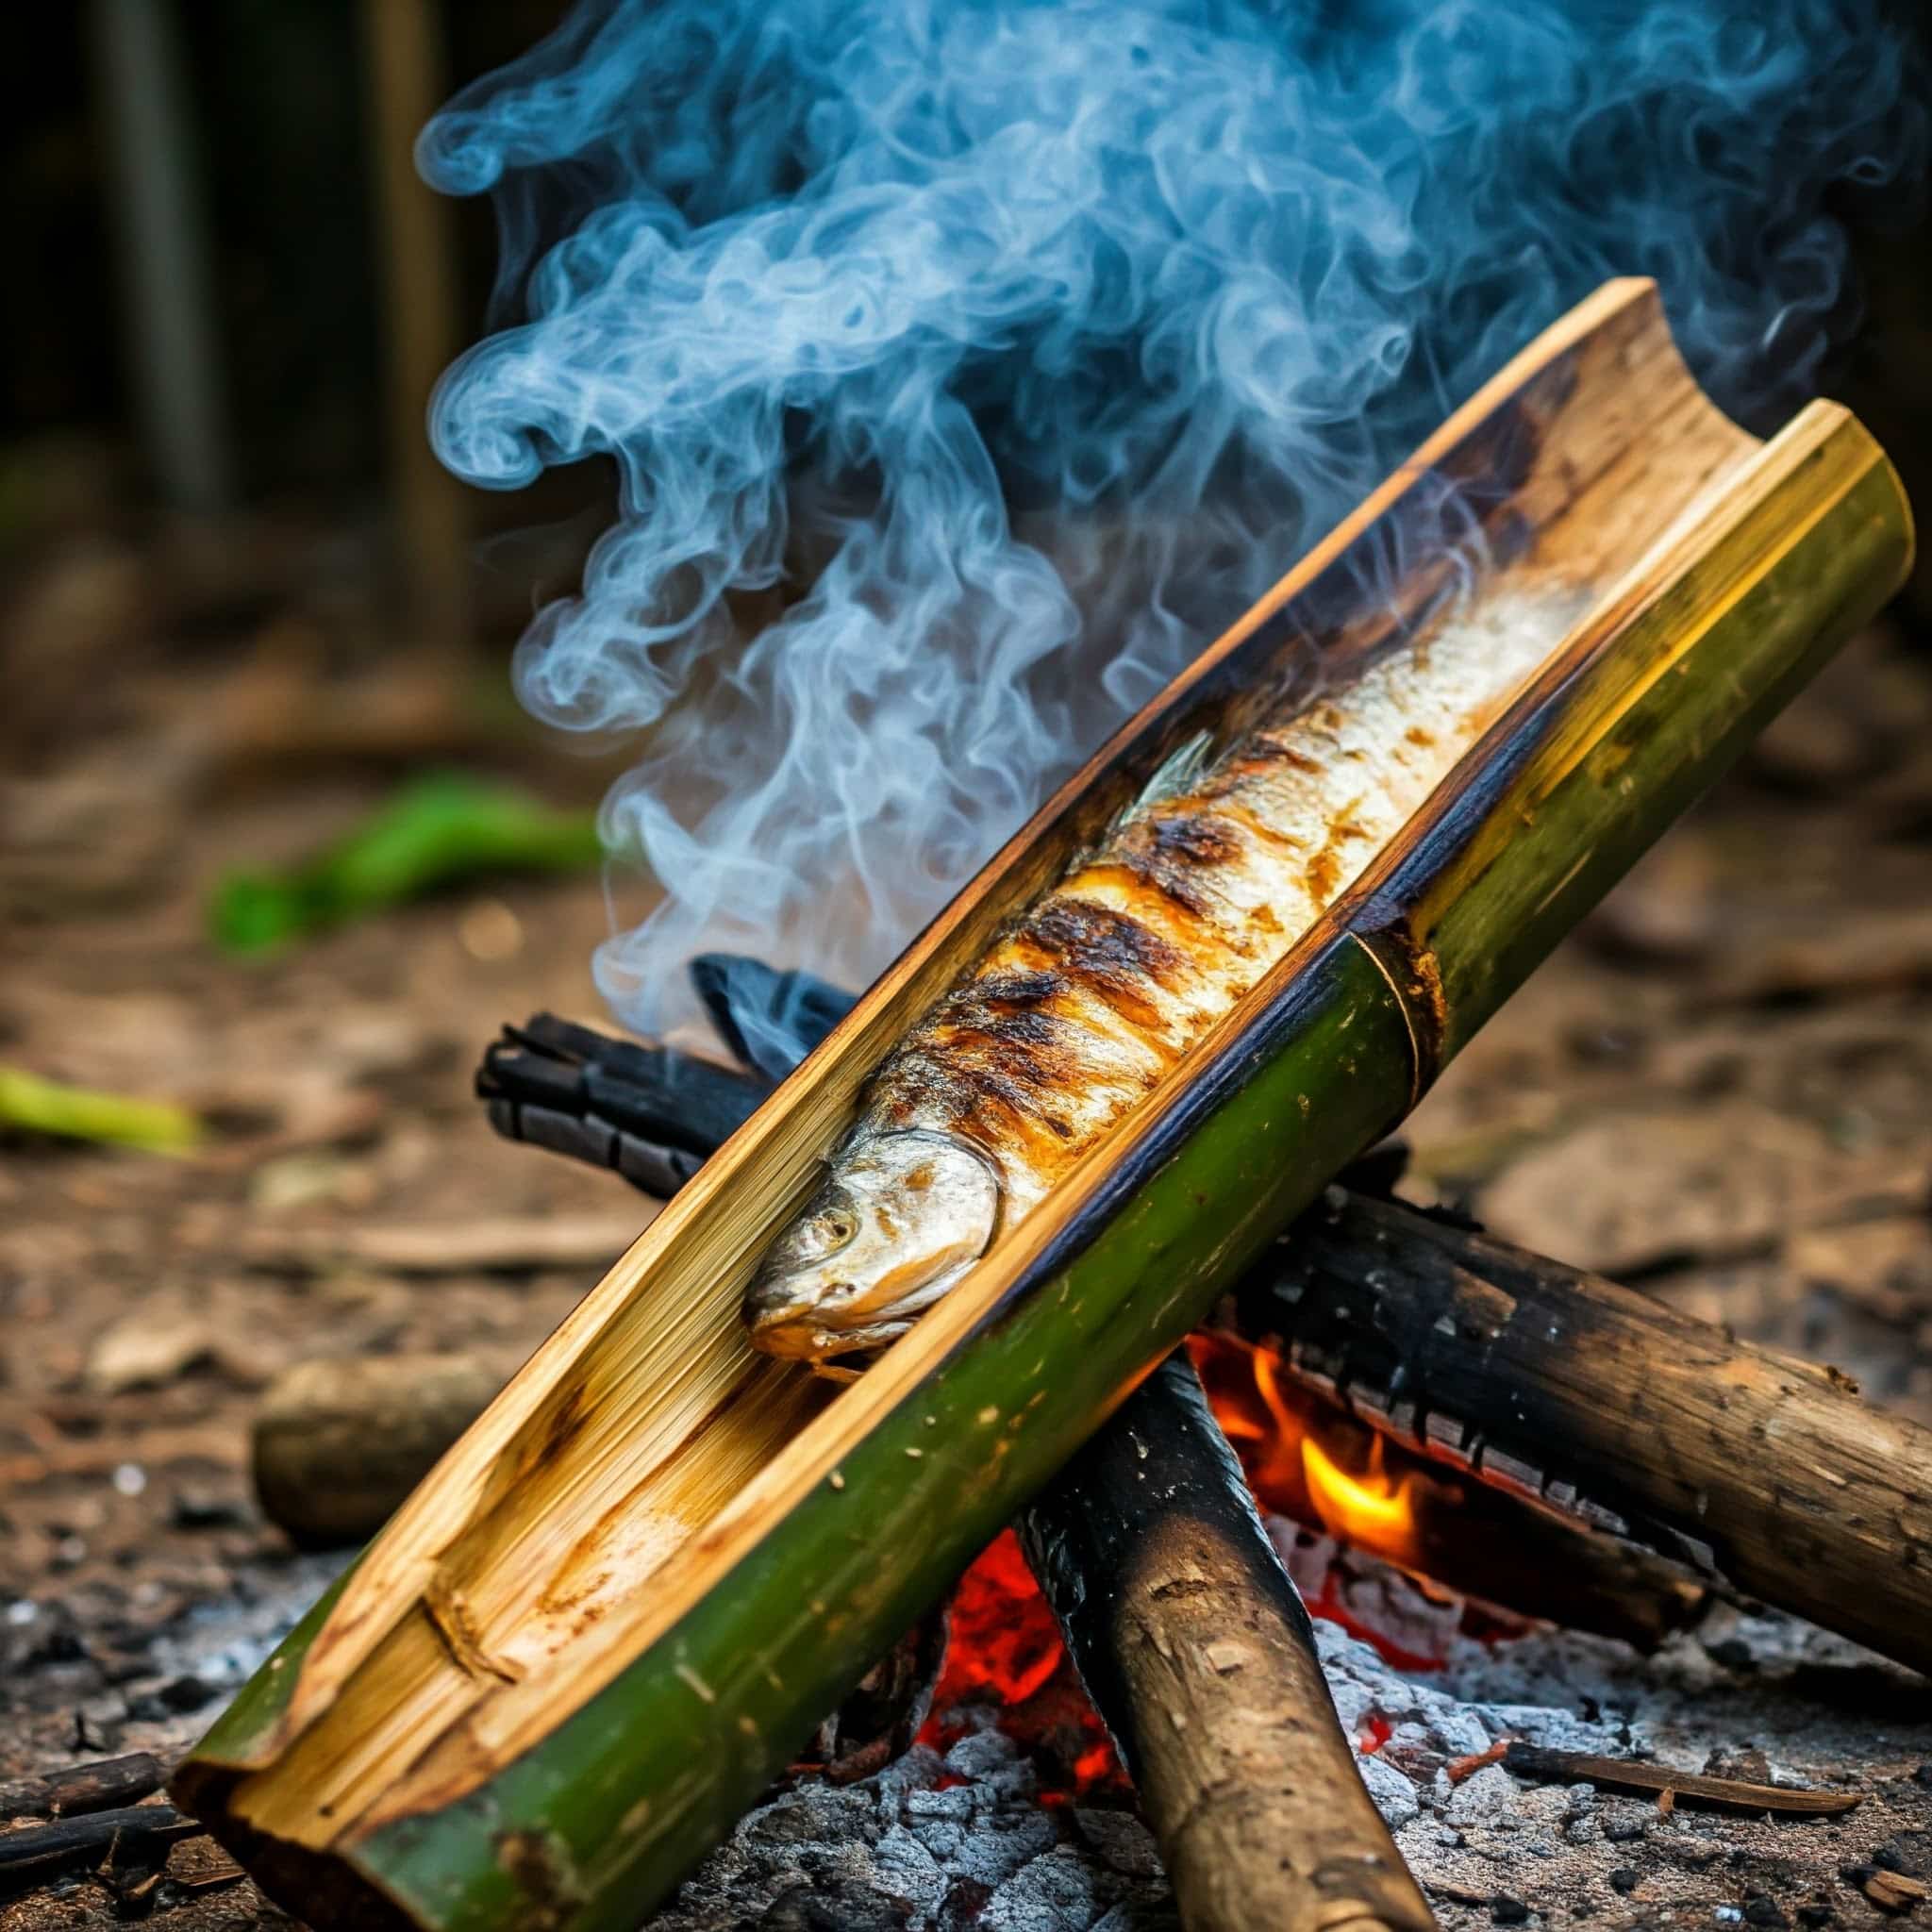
(795, 1333)
(845, 1318)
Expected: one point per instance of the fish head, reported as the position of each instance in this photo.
(900, 1218)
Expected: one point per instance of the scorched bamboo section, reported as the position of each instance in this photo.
(601, 1625)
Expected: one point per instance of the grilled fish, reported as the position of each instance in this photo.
(1084, 1002)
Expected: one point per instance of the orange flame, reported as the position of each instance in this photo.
(1370, 1508)
(1308, 1461)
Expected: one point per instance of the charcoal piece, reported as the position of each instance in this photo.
(665, 1096)
(590, 1141)
(532, 1076)
(671, 1096)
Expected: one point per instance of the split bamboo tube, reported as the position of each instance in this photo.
(590, 1638)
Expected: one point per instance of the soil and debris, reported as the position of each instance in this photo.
(1721, 1090)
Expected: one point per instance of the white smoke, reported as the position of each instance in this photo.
(968, 364)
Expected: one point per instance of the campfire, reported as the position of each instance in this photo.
(1327, 1483)
(1004, 1649)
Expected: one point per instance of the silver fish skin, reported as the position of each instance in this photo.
(1094, 994)
(901, 1215)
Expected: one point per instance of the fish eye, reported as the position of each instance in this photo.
(831, 1224)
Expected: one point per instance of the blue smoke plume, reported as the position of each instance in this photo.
(969, 364)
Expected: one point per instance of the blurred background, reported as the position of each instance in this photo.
(278, 852)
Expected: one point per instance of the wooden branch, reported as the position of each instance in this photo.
(1196, 1648)
(1588, 1398)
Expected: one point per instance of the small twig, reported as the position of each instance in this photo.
(1890, 1892)
(1460, 1767)
(1680, 1787)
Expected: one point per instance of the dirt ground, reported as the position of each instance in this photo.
(1719, 1090)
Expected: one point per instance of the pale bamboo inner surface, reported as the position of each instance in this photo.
(533, 1565)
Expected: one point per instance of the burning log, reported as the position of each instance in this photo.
(1590, 1399)
(1308, 1462)
(1195, 1646)
(590, 1638)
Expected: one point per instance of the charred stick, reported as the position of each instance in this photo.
(1197, 1651)
(1587, 1397)
(122, 1843)
(79, 1788)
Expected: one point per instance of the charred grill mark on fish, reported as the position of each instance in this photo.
(1115, 956)
(1094, 994)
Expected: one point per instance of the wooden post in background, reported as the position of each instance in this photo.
(173, 357)
(420, 317)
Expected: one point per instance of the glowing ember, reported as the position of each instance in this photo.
(1004, 1649)
(1005, 1643)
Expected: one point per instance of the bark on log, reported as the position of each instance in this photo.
(1197, 1651)
(1568, 1389)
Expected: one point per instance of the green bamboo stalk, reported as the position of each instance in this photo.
(590, 1823)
